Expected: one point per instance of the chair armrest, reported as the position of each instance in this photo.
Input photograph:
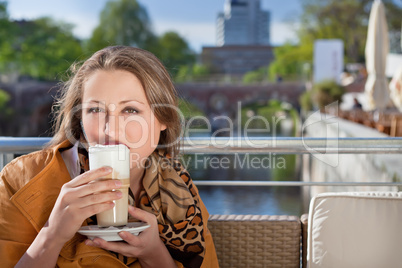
(256, 240)
(304, 224)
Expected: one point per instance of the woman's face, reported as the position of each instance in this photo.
(116, 111)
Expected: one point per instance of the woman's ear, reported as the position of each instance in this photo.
(163, 127)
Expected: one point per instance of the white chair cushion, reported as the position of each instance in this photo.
(355, 230)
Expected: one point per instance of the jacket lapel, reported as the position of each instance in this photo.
(36, 199)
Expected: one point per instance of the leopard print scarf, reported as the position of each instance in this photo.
(169, 193)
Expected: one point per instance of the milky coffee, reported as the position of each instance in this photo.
(117, 157)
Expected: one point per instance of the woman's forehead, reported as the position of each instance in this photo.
(116, 86)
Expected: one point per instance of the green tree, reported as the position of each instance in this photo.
(321, 95)
(306, 102)
(346, 20)
(200, 71)
(174, 52)
(289, 60)
(328, 19)
(46, 48)
(5, 112)
(123, 22)
(3, 10)
(41, 48)
(188, 73)
(4, 98)
(126, 22)
(7, 37)
(257, 76)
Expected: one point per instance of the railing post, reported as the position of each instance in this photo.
(5, 159)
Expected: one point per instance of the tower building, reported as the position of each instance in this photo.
(243, 23)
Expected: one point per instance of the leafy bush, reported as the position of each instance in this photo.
(306, 103)
(322, 94)
(192, 73)
(6, 112)
(4, 98)
(258, 76)
(327, 92)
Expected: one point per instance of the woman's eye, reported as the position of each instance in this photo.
(130, 110)
(94, 110)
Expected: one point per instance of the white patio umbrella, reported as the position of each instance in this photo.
(377, 48)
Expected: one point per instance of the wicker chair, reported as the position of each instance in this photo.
(358, 229)
(257, 241)
(396, 126)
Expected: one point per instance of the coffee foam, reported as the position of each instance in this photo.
(116, 156)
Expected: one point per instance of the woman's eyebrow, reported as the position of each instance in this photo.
(126, 101)
(96, 101)
(121, 102)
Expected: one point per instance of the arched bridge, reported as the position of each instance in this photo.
(215, 98)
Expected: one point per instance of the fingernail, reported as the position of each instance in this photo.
(118, 183)
(123, 235)
(119, 194)
(108, 169)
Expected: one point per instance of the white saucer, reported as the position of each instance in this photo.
(112, 233)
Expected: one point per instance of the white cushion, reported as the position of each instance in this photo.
(355, 230)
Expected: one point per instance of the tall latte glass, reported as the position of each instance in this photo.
(117, 157)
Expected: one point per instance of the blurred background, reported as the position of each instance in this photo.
(256, 62)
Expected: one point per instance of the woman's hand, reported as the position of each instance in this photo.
(147, 246)
(79, 199)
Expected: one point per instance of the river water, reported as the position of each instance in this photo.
(256, 200)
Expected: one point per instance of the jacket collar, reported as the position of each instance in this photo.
(36, 199)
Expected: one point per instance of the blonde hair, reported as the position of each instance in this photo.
(156, 81)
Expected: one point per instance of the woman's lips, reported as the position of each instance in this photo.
(111, 143)
(114, 143)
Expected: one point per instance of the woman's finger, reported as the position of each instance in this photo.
(99, 186)
(90, 175)
(142, 215)
(121, 247)
(131, 239)
(101, 197)
(77, 188)
(88, 211)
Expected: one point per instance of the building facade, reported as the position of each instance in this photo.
(236, 60)
(243, 23)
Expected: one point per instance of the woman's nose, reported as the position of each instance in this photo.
(112, 127)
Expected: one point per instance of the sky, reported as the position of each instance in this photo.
(194, 20)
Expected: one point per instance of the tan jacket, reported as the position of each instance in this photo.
(29, 187)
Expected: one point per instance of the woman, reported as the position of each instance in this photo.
(119, 95)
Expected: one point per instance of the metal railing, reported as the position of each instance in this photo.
(279, 145)
(255, 145)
